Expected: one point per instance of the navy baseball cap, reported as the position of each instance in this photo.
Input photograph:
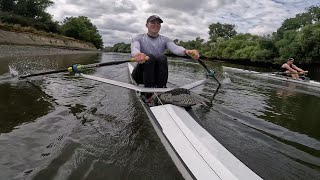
(154, 17)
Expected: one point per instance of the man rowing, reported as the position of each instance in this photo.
(154, 71)
(290, 69)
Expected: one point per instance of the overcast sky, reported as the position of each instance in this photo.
(119, 20)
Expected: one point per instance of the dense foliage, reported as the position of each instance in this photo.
(28, 13)
(298, 37)
(82, 28)
(120, 47)
(32, 13)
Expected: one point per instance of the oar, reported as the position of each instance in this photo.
(210, 72)
(278, 73)
(77, 68)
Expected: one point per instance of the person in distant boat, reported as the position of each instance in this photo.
(154, 71)
(292, 69)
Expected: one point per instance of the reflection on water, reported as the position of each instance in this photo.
(286, 93)
(65, 127)
(297, 112)
(17, 101)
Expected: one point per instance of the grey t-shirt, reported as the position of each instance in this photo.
(155, 46)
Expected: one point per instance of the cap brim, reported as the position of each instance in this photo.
(156, 19)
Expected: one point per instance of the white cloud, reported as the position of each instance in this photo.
(260, 30)
(119, 20)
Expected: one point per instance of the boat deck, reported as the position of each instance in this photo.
(204, 156)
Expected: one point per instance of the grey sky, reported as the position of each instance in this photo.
(119, 20)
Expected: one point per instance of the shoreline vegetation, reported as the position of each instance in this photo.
(298, 37)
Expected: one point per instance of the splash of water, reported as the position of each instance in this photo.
(226, 79)
(13, 71)
(9, 77)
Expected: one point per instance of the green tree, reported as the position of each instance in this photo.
(315, 13)
(192, 44)
(300, 20)
(7, 5)
(32, 8)
(225, 31)
(28, 13)
(267, 50)
(288, 46)
(81, 28)
(309, 41)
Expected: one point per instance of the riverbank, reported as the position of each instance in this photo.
(7, 51)
(10, 34)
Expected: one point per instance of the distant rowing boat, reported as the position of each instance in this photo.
(274, 76)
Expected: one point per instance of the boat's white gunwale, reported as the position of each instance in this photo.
(182, 167)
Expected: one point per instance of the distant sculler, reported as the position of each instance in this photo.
(291, 69)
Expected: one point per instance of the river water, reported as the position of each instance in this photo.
(64, 127)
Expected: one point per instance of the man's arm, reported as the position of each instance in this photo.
(181, 51)
(135, 50)
(289, 68)
(298, 69)
(175, 49)
(135, 46)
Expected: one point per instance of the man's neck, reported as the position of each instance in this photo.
(153, 35)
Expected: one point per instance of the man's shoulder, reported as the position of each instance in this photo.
(164, 38)
(139, 36)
